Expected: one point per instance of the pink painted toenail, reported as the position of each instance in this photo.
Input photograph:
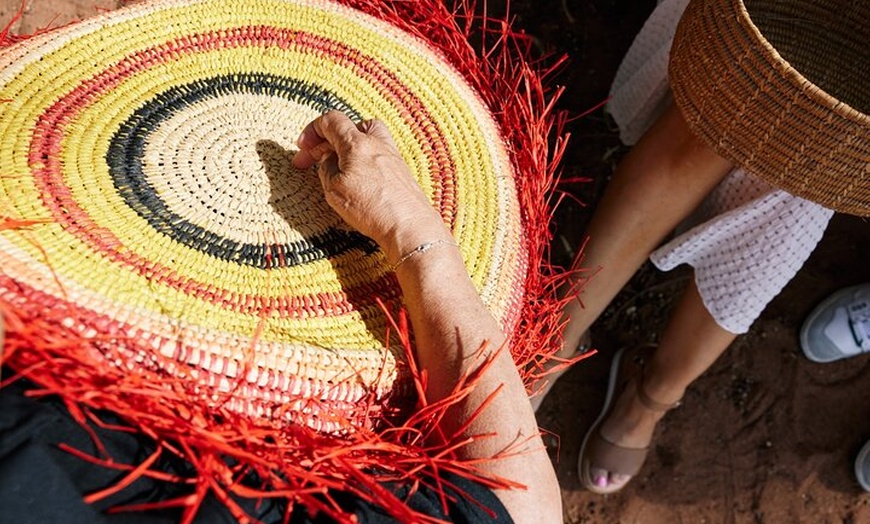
(601, 481)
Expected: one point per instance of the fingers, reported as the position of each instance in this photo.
(305, 158)
(312, 147)
(335, 132)
(334, 127)
(332, 131)
(308, 141)
(378, 130)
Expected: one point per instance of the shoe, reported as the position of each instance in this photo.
(625, 372)
(839, 327)
(862, 467)
(556, 366)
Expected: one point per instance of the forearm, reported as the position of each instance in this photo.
(366, 181)
(451, 325)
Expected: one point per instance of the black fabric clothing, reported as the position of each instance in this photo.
(40, 483)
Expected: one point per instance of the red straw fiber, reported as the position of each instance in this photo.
(296, 462)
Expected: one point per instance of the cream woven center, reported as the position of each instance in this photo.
(224, 164)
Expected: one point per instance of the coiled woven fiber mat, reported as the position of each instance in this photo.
(159, 251)
(156, 142)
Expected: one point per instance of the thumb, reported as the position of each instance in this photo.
(305, 158)
(328, 169)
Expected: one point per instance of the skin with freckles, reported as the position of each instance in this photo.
(369, 185)
(386, 204)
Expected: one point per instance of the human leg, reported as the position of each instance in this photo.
(690, 343)
(662, 179)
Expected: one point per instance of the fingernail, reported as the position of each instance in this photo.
(601, 481)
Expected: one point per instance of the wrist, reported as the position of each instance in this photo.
(421, 249)
(411, 235)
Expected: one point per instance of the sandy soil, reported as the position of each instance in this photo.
(765, 436)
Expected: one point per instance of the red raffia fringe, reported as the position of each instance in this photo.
(295, 462)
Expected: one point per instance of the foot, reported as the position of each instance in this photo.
(616, 445)
(839, 327)
(630, 425)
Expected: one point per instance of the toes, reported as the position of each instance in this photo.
(605, 480)
(617, 481)
(599, 477)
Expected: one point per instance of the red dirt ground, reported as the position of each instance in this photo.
(765, 436)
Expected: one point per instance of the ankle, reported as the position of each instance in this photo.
(659, 399)
(639, 414)
(630, 423)
(665, 394)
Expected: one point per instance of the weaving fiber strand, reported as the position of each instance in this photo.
(163, 260)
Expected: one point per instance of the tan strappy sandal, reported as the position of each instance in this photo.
(626, 371)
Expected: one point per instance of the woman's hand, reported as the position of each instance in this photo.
(368, 184)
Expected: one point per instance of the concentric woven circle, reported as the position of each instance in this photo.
(152, 145)
(780, 89)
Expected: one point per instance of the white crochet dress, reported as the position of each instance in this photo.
(748, 239)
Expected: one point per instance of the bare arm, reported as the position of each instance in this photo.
(370, 186)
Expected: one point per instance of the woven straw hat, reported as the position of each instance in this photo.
(781, 89)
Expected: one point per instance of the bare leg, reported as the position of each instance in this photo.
(663, 179)
(690, 344)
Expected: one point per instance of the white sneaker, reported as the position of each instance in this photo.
(862, 467)
(839, 327)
